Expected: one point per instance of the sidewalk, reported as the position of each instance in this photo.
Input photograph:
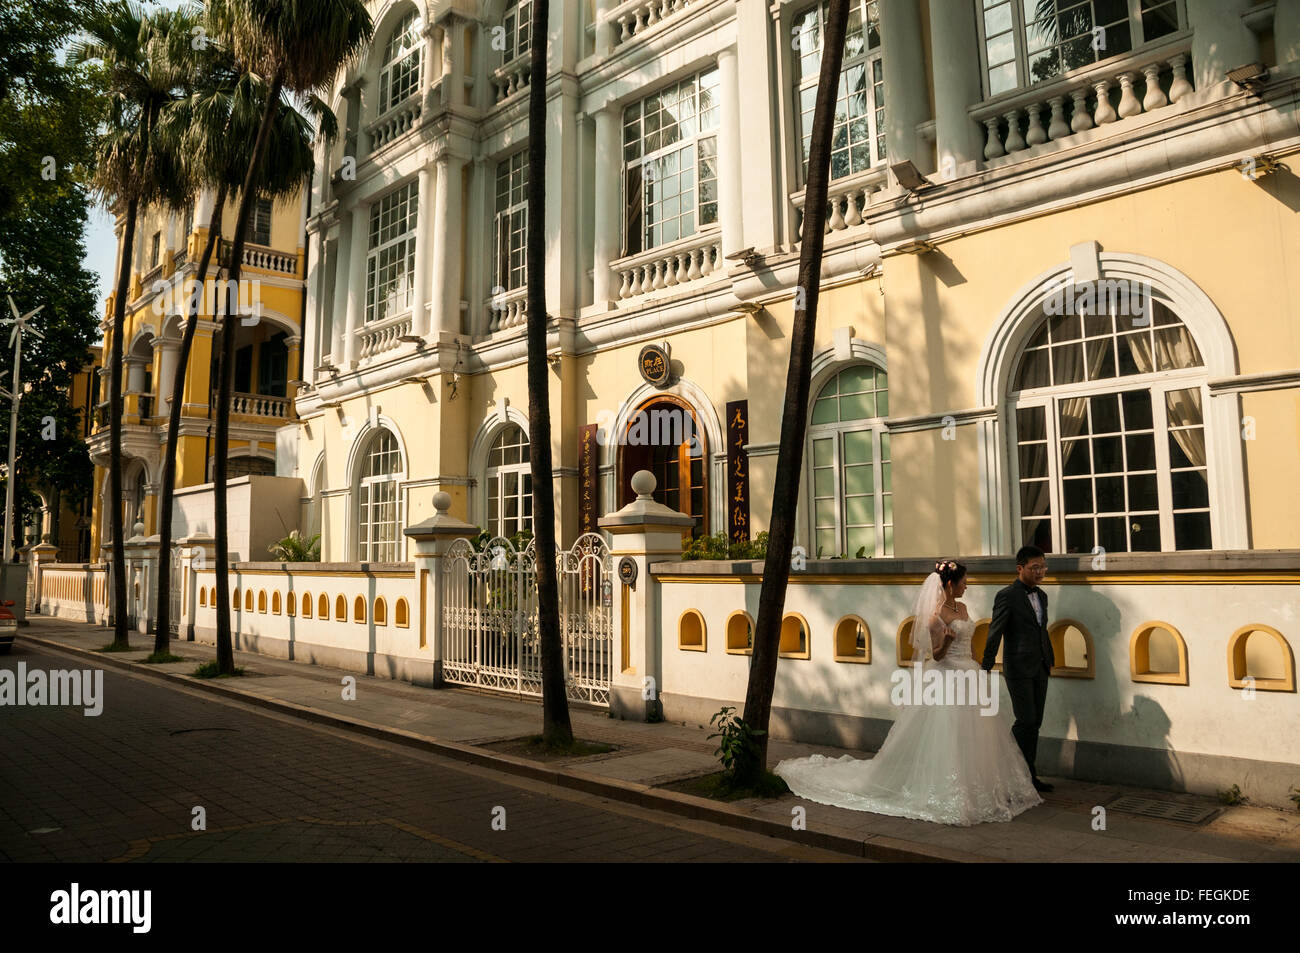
(462, 724)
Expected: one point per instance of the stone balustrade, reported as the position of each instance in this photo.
(259, 405)
(399, 120)
(259, 256)
(633, 20)
(375, 339)
(669, 265)
(508, 310)
(847, 199)
(511, 78)
(1095, 97)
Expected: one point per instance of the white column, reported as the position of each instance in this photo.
(954, 51)
(729, 166)
(905, 87)
(1220, 40)
(339, 304)
(172, 227)
(203, 208)
(447, 245)
(427, 54)
(134, 374)
(167, 354)
(423, 236)
(456, 72)
(448, 57)
(607, 211)
(315, 287)
(356, 284)
(604, 30)
(1286, 32)
(479, 239)
(760, 172)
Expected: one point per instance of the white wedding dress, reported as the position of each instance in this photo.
(944, 763)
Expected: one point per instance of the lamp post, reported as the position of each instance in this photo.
(19, 323)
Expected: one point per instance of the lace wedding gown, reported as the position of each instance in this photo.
(944, 763)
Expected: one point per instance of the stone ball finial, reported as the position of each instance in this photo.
(442, 502)
(138, 529)
(643, 484)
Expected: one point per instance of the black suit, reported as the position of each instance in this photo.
(1026, 661)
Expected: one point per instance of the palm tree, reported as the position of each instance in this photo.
(212, 131)
(785, 493)
(298, 48)
(556, 729)
(132, 169)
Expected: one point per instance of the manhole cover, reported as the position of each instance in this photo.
(1165, 810)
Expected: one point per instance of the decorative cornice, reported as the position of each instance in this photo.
(1249, 383)
(939, 421)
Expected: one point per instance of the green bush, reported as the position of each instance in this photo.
(294, 549)
(739, 741)
(718, 546)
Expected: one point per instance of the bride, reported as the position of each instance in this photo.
(946, 763)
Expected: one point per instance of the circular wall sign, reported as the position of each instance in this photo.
(654, 364)
(627, 571)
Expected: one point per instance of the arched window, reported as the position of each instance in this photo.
(306, 605)
(359, 609)
(400, 76)
(341, 608)
(509, 484)
(1109, 403)
(380, 613)
(402, 614)
(851, 487)
(323, 607)
(664, 436)
(378, 507)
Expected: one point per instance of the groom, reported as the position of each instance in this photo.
(1020, 613)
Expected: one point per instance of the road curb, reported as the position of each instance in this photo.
(873, 847)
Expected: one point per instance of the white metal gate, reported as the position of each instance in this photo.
(174, 594)
(489, 617)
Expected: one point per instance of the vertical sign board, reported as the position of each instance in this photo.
(588, 477)
(737, 470)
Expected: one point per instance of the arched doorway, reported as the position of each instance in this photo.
(664, 436)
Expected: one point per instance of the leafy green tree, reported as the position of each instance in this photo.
(299, 48)
(43, 248)
(143, 55)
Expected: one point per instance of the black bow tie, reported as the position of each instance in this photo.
(1032, 588)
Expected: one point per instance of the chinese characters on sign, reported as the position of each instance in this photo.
(588, 476)
(737, 470)
(654, 364)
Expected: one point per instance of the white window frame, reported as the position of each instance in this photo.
(493, 481)
(517, 23)
(367, 547)
(644, 160)
(835, 431)
(510, 243)
(1158, 383)
(398, 74)
(1020, 41)
(398, 295)
(871, 60)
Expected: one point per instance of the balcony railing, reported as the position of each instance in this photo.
(637, 18)
(511, 77)
(381, 336)
(509, 310)
(399, 120)
(260, 256)
(847, 199)
(669, 266)
(259, 405)
(1088, 99)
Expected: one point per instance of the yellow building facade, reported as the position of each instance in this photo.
(987, 178)
(164, 276)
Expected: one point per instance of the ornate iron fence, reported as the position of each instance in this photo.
(490, 631)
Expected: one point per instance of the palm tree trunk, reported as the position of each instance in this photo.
(225, 648)
(120, 638)
(162, 636)
(794, 416)
(556, 728)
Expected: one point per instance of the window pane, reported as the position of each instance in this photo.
(1190, 489)
(858, 480)
(1192, 531)
(857, 446)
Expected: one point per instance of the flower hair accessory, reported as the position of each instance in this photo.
(943, 564)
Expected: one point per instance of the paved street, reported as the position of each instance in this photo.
(124, 785)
